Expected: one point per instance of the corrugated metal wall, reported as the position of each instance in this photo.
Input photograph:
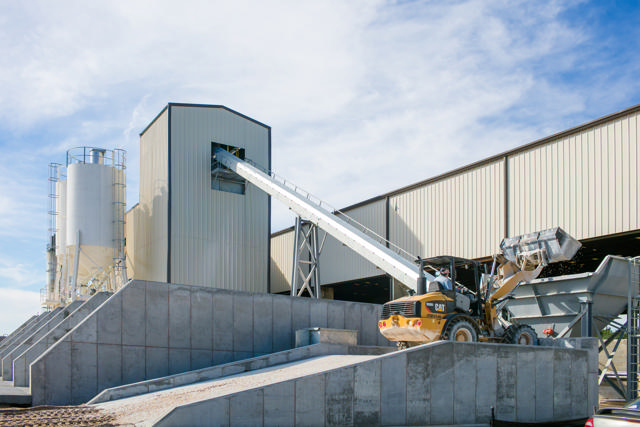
(585, 180)
(281, 262)
(150, 250)
(218, 239)
(586, 183)
(459, 215)
(345, 263)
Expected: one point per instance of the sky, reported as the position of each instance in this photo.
(363, 97)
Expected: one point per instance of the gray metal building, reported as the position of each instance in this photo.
(190, 227)
(584, 180)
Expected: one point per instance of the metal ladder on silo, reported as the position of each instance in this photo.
(633, 333)
(118, 204)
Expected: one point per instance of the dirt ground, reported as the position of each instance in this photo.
(55, 416)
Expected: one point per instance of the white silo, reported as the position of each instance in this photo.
(92, 224)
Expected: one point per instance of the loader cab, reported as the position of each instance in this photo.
(465, 275)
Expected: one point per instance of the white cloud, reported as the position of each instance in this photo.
(363, 96)
(17, 307)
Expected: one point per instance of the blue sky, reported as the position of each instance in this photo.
(363, 96)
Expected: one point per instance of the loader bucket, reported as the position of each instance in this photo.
(557, 243)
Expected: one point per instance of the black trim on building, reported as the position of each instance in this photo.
(169, 196)
(269, 223)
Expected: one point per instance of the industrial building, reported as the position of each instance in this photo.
(174, 303)
(190, 227)
(585, 180)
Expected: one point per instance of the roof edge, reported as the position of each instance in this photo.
(222, 107)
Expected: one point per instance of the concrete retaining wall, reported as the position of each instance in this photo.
(7, 360)
(441, 383)
(26, 332)
(149, 329)
(21, 363)
(7, 340)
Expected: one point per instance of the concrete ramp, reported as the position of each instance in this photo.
(555, 302)
(442, 383)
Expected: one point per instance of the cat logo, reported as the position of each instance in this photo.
(439, 306)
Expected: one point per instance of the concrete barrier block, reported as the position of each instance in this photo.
(309, 401)
(38, 387)
(282, 329)
(133, 364)
(442, 360)
(262, 323)
(133, 314)
(544, 385)
(110, 321)
(20, 373)
(464, 356)
(242, 323)
(202, 320)
(579, 385)
(301, 311)
(506, 390)
(279, 404)
(199, 414)
(393, 389)
(179, 360)
(335, 316)
(201, 358)
(109, 366)
(232, 369)
(339, 388)
(366, 393)
(246, 408)
(84, 371)
(179, 317)
(223, 318)
(486, 384)
(369, 332)
(241, 355)
(157, 315)
(157, 362)
(318, 314)
(220, 357)
(418, 387)
(353, 317)
(57, 378)
(525, 377)
(562, 383)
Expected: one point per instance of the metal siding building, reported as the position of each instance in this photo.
(185, 231)
(584, 180)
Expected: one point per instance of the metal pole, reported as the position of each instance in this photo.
(296, 256)
(586, 324)
(316, 261)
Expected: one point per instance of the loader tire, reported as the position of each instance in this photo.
(521, 335)
(461, 330)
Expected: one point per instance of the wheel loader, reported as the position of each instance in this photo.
(474, 309)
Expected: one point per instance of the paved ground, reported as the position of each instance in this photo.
(10, 395)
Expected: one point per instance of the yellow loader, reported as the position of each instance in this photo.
(474, 312)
